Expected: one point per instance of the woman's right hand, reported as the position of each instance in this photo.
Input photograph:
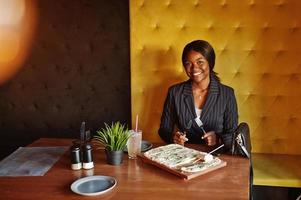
(179, 138)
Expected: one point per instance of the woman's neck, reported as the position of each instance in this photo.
(202, 85)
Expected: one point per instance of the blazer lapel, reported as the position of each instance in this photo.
(211, 98)
(188, 99)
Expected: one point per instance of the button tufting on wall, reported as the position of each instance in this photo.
(196, 3)
(278, 141)
(92, 88)
(33, 66)
(70, 126)
(11, 105)
(45, 86)
(224, 49)
(21, 86)
(80, 68)
(280, 4)
(183, 27)
(237, 27)
(46, 124)
(35, 106)
(169, 48)
(155, 26)
(142, 4)
(52, 26)
(292, 118)
(224, 4)
(63, 5)
(168, 3)
(82, 107)
(43, 46)
(116, 47)
(210, 26)
(263, 118)
(251, 95)
(266, 27)
(116, 89)
(142, 90)
(252, 4)
(155, 71)
(294, 76)
(280, 52)
(251, 52)
(294, 28)
(58, 107)
(236, 74)
(91, 47)
(278, 97)
(68, 86)
(265, 75)
(78, 27)
(56, 67)
(67, 47)
(25, 125)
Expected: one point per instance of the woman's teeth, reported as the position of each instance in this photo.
(197, 73)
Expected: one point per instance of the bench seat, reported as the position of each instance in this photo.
(277, 170)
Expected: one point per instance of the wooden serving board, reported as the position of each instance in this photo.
(178, 172)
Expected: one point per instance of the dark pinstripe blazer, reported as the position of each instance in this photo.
(219, 112)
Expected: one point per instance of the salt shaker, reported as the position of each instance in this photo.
(87, 156)
(75, 151)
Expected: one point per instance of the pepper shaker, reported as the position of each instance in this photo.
(87, 156)
(75, 151)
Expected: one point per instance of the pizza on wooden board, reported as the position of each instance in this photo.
(175, 156)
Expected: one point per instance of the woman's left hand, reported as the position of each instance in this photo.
(210, 138)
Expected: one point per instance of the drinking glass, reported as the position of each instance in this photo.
(134, 143)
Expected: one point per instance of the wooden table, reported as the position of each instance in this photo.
(136, 180)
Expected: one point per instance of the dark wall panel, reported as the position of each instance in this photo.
(78, 70)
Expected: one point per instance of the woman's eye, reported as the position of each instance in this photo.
(200, 62)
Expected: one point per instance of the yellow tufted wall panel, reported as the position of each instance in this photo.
(258, 47)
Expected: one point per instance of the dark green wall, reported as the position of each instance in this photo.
(78, 70)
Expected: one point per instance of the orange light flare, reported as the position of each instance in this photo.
(18, 19)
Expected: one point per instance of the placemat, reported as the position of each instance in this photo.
(31, 161)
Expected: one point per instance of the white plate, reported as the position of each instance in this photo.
(93, 185)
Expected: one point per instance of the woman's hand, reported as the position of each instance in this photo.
(179, 138)
(210, 138)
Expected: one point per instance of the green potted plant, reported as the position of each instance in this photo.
(114, 139)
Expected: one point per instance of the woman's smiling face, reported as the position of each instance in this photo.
(196, 66)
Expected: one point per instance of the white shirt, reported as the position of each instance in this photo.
(198, 112)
